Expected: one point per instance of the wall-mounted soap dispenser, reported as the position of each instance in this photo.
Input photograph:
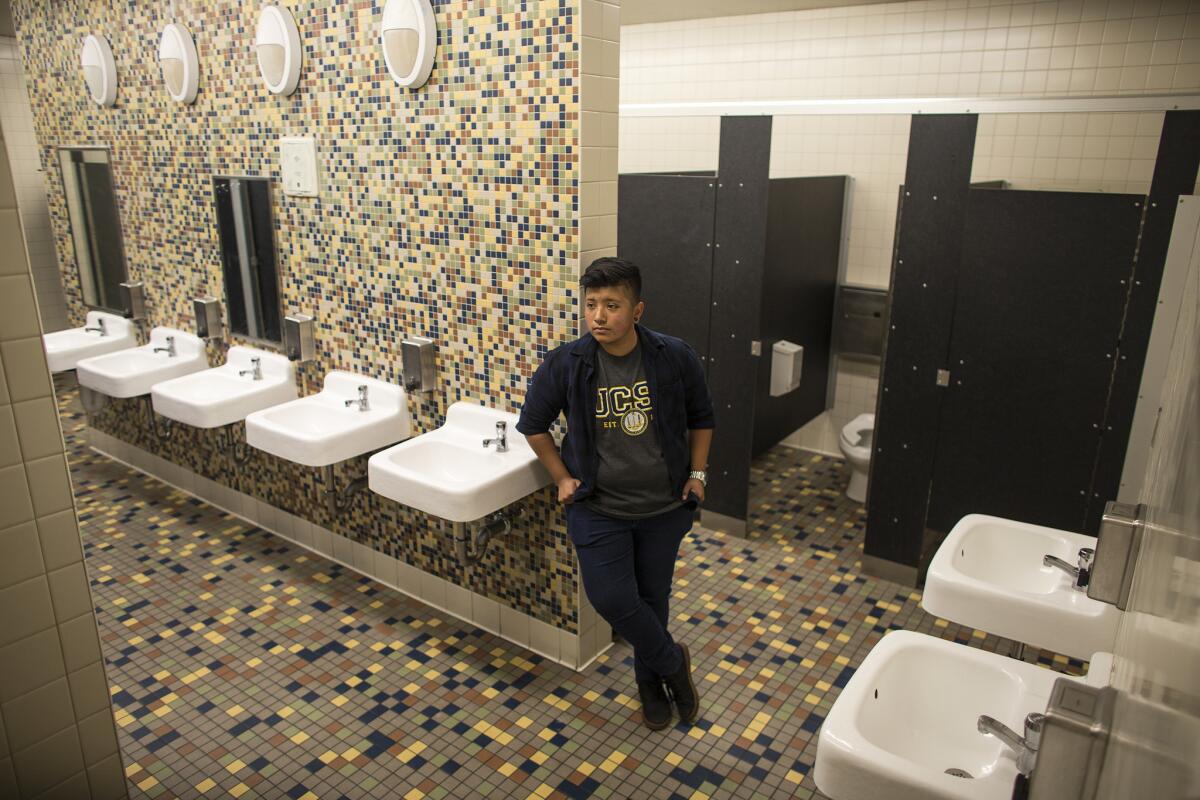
(418, 354)
(133, 300)
(210, 323)
(299, 337)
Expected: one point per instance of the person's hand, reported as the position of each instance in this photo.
(693, 486)
(566, 489)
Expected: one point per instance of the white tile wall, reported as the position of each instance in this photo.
(16, 120)
(57, 737)
(599, 53)
(932, 48)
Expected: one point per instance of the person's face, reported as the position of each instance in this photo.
(611, 312)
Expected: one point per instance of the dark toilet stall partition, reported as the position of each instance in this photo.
(1017, 326)
(732, 262)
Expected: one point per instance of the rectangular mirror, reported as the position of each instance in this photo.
(248, 254)
(95, 225)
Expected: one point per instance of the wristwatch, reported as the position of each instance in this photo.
(699, 475)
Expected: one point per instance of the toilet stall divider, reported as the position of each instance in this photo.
(1017, 322)
(733, 261)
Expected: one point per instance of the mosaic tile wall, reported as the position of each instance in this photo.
(449, 211)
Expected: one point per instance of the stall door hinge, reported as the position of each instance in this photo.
(943, 377)
(755, 347)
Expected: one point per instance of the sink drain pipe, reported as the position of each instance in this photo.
(168, 427)
(338, 501)
(231, 442)
(93, 402)
(472, 547)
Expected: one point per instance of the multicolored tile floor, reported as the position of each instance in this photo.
(244, 666)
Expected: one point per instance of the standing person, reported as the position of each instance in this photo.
(631, 472)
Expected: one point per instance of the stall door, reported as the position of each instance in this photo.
(665, 226)
(1038, 313)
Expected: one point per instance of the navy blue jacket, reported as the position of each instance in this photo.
(566, 381)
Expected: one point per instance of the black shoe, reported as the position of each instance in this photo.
(683, 689)
(656, 706)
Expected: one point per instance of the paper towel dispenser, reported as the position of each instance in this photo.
(787, 359)
(859, 324)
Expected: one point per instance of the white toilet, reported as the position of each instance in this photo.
(855, 442)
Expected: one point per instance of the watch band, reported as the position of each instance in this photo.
(699, 475)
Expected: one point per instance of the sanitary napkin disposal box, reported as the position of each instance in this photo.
(786, 360)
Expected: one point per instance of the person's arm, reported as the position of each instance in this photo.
(700, 420)
(544, 401)
(547, 452)
(699, 440)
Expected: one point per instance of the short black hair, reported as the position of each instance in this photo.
(609, 271)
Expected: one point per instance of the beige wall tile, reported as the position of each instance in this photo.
(69, 587)
(20, 555)
(27, 610)
(49, 487)
(15, 504)
(80, 641)
(42, 766)
(72, 788)
(30, 663)
(107, 779)
(12, 260)
(10, 447)
(8, 198)
(18, 312)
(59, 534)
(25, 369)
(8, 779)
(37, 425)
(97, 737)
(38, 715)
(89, 689)
(4, 398)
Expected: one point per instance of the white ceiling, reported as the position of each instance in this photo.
(634, 12)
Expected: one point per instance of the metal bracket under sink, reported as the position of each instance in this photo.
(1116, 553)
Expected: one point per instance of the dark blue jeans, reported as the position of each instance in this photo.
(627, 566)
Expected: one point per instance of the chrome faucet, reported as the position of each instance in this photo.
(255, 370)
(501, 440)
(1081, 572)
(101, 327)
(1025, 748)
(169, 349)
(363, 405)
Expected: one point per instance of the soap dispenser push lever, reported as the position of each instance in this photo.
(1082, 572)
(501, 440)
(255, 369)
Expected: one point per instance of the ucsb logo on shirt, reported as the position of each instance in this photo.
(624, 406)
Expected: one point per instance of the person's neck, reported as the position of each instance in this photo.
(624, 346)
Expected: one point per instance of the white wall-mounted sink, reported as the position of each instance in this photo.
(450, 474)
(910, 713)
(321, 429)
(131, 372)
(988, 574)
(65, 349)
(227, 393)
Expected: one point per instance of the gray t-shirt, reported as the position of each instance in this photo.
(633, 481)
